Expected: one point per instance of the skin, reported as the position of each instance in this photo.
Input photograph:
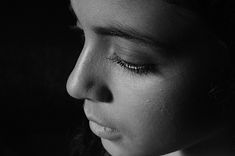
(166, 112)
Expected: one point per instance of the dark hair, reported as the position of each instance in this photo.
(219, 16)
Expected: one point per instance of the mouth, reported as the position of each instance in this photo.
(99, 126)
(103, 131)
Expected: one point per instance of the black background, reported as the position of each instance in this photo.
(38, 50)
(37, 53)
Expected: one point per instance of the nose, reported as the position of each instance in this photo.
(88, 79)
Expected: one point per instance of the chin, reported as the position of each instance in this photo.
(116, 149)
(113, 148)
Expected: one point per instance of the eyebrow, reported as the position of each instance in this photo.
(128, 33)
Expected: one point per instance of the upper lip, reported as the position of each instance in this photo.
(94, 118)
(98, 122)
(104, 124)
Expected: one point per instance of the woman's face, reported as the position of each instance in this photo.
(144, 72)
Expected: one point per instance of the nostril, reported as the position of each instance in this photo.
(104, 94)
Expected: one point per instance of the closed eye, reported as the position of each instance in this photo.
(134, 68)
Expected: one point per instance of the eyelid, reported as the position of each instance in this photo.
(140, 69)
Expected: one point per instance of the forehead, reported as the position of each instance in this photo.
(148, 7)
(143, 15)
(103, 10)
(126, 3)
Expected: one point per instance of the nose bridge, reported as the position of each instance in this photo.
(80, 79)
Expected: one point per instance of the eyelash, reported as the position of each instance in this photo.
(140, 69)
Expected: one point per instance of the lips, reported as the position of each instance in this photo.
(104, 132)
(102, 128)
(95, 115)
(103, 124)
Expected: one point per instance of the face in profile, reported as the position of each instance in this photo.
(144, 73)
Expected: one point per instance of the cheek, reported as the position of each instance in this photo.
(156, 114)
(146, 111)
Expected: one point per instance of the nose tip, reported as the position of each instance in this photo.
(89, 90)
(75, 85)
(88, 85)
(71, 87)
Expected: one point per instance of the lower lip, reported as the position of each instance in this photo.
(104, 132)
